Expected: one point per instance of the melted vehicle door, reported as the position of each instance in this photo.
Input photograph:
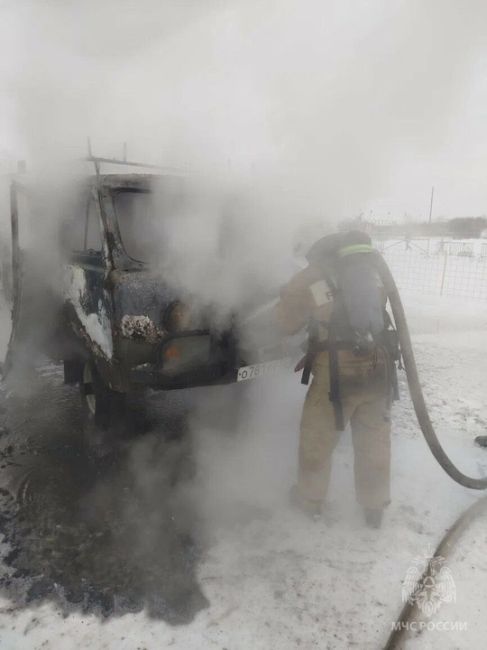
(86, 296)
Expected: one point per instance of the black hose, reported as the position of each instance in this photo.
(414, 383)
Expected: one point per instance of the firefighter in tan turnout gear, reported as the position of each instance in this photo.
(352, 370)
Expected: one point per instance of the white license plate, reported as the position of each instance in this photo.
(259, 369)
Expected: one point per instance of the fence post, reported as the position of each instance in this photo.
(443, 274)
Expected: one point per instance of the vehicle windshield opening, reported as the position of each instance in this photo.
(142, 216)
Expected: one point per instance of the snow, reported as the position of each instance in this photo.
(285, 582)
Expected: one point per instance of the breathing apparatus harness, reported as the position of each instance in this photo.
(361, 323)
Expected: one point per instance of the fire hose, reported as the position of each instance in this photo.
(444, 547)
(414, 384)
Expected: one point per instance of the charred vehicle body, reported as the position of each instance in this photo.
(116, 325)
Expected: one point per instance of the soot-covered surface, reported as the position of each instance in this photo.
(102, 533)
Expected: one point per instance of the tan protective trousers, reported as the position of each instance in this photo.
(366, 407)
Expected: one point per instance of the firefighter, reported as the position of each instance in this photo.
(365, 391)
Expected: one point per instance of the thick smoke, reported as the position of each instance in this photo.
(323, 98)
(298, 113)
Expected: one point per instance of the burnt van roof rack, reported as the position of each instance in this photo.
(116, 161)
(97, 160)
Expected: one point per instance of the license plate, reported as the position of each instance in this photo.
(259, 369)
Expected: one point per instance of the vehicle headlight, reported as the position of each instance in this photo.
(185, 353)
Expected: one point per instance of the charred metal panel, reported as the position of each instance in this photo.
(136, 182)
(139, 300)
(84, 291)
(115, 252)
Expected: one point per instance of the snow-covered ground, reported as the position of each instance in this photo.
(281, 581)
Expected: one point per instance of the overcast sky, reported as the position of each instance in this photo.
(356, 106)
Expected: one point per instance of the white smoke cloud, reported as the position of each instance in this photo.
(327, 95)
(307, 108)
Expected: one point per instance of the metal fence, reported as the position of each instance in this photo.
(444, 268)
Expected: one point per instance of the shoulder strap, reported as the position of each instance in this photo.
(331, 283)
(311, 351)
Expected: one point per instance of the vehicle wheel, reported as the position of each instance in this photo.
(103, 406)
